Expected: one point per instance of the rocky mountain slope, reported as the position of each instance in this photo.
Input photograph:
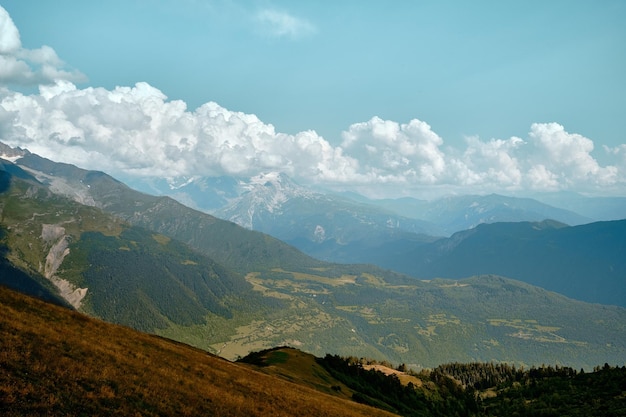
(320, 224)
(104, 266)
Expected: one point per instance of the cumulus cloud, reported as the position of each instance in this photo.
(137, 132)
(283, 25)
(569, 156)
(396, 152)
(21, 66)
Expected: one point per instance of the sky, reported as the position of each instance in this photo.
(390, 99)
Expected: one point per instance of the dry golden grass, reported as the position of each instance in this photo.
(57, 362)
(402, 376)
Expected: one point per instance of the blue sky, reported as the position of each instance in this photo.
(481, 75)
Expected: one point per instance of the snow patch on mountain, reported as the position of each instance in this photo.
(263, 193)
(319, 234)
(10, 158)
(11, 154)
(180, 182)
(268, 192)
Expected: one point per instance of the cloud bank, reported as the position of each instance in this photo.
(21, 66)
(137, 132)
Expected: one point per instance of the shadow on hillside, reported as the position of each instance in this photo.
(5, 181)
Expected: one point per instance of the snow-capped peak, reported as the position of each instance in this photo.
(266, 192)
(179, 182)
(11, 154)
(263, 178)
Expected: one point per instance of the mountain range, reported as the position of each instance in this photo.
(154, 264)
(584, 262)
(350, 228)
(452, 237)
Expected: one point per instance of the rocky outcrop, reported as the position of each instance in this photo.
(54, 236)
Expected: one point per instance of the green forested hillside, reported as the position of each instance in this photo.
(233, 246)
(454, 389)
(149, 281)
(132, 276)
(27, 283)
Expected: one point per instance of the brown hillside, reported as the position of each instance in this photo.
(55, 361)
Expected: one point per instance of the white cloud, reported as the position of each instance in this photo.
(619, 151)
(23, 66)
(283, 25)
(541, 178)
(493, 162)
(568, 156)
(9, 35)
(136, 131)
(406, 152)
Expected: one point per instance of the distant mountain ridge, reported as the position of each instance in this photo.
(239, 199)
(585, 262)
(596, 208)
(235, 247)
(346, 227)
(276, 205)
(457, 213)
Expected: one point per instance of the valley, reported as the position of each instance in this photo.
(409, 322)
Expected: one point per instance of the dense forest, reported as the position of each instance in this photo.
(485, 389)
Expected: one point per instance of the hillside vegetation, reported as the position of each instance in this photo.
(107, 267)
(455, 389)
(57, 362)
(233, 246)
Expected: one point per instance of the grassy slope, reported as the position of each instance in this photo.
(59, 362)
(295, 365)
